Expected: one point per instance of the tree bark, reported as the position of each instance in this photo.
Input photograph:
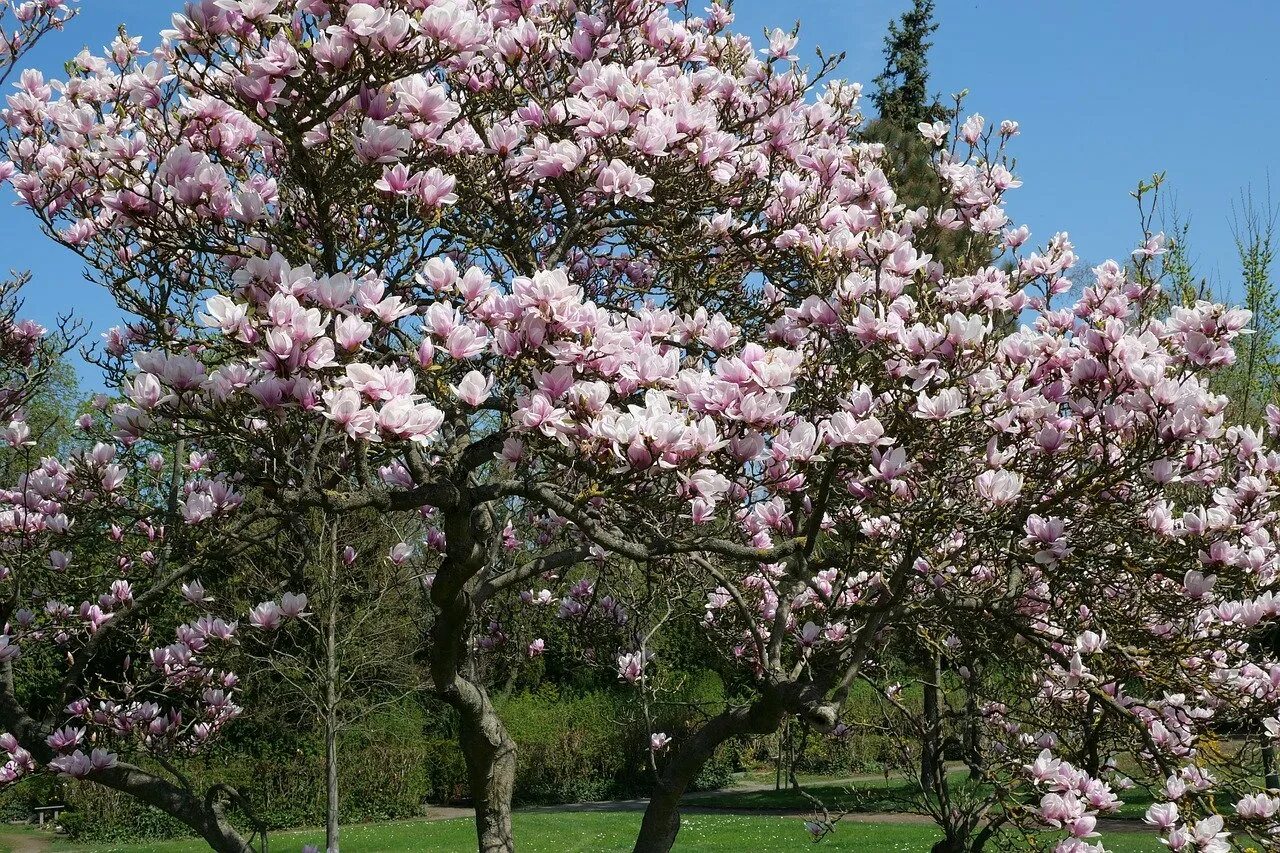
(487, 748)
(331, 787)
(931, 749)
(1271, 777)
(973, 728)
(661, 821)
(331, 827)
(205, 816)
(490, 756)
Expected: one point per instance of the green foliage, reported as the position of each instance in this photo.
(579, 745)
(382, 776)
(716, 773)
(902, 89)
(571, 747)
(1252, 381)
(51, 414)
(1178, 265)
(20, 801)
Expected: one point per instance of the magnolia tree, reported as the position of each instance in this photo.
(382, 243)
(1069, 487)
(608, 265)
(95, 556)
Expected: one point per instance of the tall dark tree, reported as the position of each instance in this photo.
(902, 89)
(903, 101)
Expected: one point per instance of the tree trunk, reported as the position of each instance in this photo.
(661, 821)
(488, 750)
(931, 747)
(1272, 778)
(973, 726)
(331, 787)
(490, 755)
(331, 712)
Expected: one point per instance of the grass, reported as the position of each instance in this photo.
(567, 832)
(873, 795)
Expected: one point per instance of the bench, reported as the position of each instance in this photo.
(52, 812)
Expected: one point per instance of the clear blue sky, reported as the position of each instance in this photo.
(1106, 92)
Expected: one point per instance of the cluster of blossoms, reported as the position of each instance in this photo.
(1072, 800)
(62, 536)
(605, 262)
(269, 615)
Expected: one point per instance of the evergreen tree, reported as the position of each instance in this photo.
(1254, 378)
(903, 102)
(902, 89)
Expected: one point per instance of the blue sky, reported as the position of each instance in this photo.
(1106, 93)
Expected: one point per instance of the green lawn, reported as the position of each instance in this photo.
(876, 795)
(566, 832)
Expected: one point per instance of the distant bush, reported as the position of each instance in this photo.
(579, 745)
(383, 775)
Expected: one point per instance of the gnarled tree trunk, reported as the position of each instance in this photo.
(488, 750)
(661, 821)
(490, 755)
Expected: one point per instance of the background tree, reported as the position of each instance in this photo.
(901, 97)
(57, 663)
(352, 651)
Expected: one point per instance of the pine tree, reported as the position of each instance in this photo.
(902, 89)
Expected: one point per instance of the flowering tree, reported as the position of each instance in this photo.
(96, 547)
(413, 216)
(1057, 494)
(607, 264)
(28, 353)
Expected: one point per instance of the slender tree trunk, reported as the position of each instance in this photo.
(931, 748)
(331, 736)
(331, 787)
(331, 710)
(973, 734)
(661, 821)
(1272, 778)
